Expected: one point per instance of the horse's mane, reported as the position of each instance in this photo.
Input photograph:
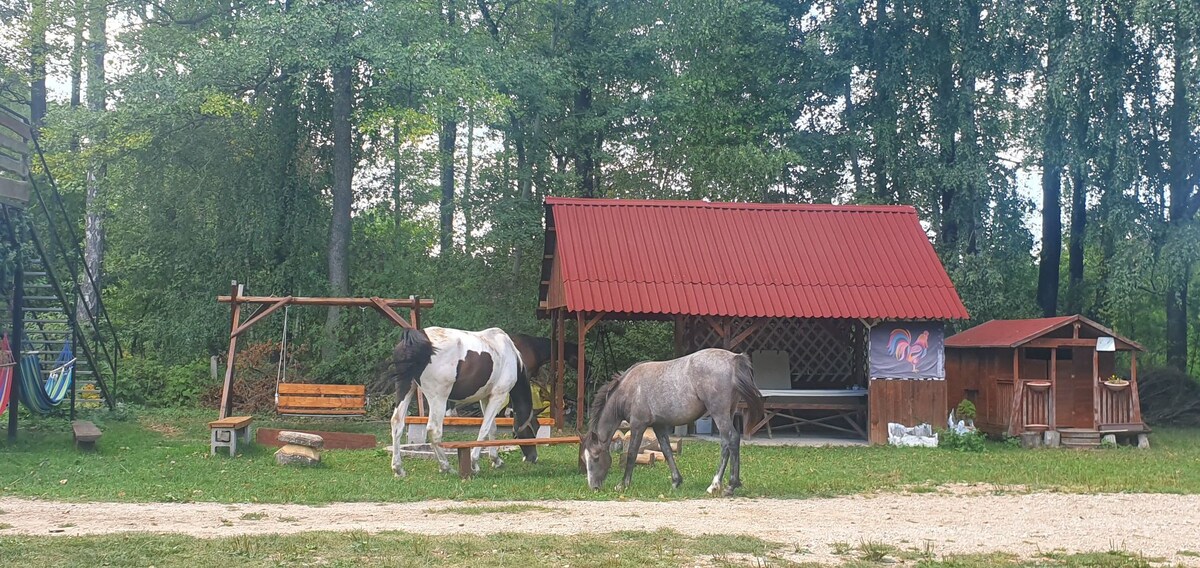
(602, 395)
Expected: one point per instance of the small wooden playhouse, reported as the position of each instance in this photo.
(1046, 375)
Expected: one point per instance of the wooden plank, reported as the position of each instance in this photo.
(516, 442)
(15, 192)
(349, 302)
(231, 422)
(1095, 388)
(1133, 388)
(16, 125)
(14, 145)
(259, 316)
(471, 421)
(1053, 418)
(1049, 342)
(85, 431)
(17, 167)
(323, 411)
(581, 380)
(333, 440)
(381, 306)
(560, 370)
(343, 402)
(227, 387)
(318, 389)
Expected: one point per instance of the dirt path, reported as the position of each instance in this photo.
(953, 520)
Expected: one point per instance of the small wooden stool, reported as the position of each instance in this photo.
(86, 434)
(225, 433)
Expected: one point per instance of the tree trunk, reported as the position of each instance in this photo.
(447, 138)
(93, 230)
(343, 197)
(468, 213)
(1178, 159)
(397, 210)
(1075, 247)
(37, 62)
(1052, 165)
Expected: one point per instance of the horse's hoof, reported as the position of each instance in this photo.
(497, 464)
(399, 472)
(675, 484)
(621, 488)
(729, 491)
(714, 488)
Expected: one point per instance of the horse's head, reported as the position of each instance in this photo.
(527, 430)
(597, 458)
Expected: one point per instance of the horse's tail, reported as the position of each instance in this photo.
(743, 383)
(411, 355)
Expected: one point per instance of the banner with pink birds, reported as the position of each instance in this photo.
(908, 350)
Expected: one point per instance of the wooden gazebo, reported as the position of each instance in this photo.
(1045, 375)
(796, 286)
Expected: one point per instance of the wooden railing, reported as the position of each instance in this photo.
(1035, 406)
(1116, 407)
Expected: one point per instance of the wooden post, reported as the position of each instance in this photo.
(414, 313)
(235, 290)
(18, 327)
(1016, 401)
(560, 368)
(580, 382)
(679, 336)
(1136, 414)
(1095, 388)
(1053, 413)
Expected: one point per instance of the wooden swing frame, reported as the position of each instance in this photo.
(270, 304)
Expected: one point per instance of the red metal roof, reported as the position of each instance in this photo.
(1014, 333)
(742, 259)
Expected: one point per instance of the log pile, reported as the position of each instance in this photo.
(650, 452)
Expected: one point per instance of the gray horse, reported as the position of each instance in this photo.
(663, 394)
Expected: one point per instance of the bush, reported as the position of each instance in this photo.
(147, 382)
(968, 442)
(965, 410)
(1169, 396)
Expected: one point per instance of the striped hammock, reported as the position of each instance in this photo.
(40, 394)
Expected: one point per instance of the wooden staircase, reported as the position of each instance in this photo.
(1081, 438)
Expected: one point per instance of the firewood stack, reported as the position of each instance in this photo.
(650, 452)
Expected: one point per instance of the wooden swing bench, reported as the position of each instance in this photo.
(304, 399)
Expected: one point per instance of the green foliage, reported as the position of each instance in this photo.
(965, 410)
(148, 382)
(966, 442)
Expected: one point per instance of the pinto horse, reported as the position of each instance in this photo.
(465, 367)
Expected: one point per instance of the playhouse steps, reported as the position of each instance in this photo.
(1082, 438)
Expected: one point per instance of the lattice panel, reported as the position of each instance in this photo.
(821, 353)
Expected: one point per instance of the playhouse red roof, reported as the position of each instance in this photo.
(742, 259)
(1017, 332)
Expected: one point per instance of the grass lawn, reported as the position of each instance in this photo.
(632, 549)
(163, 456)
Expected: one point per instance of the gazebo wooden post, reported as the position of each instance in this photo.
(1095, 388)
(1053, 413)
(558, 334)
(235, 291)
(583, 326)
(1133, 390)
(678, 342)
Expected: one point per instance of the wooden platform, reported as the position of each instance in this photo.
(86, 434)
(333, 440)
(1082, 438)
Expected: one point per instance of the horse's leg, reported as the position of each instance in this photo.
(735, 473)
(664, 445)
(398, 416)
(493, 451)
(437, 413)
(487, 431)
(635, 447)
(725, 425)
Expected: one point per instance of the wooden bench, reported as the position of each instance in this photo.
(303, 399)
(464, 448)
(225, 433)
(86, 434)
(417, 425)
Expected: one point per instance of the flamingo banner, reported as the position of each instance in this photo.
(908, 350)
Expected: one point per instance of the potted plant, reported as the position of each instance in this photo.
(965, 411)
(1115, 383)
